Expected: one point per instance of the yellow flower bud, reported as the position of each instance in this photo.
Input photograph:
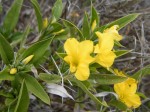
(60, 31)
(45, 22)
(13, 71)
(27, 59)
(93, 25)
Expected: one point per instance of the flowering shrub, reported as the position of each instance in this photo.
(83, 58)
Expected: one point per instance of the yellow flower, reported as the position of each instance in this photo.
(78, 56)
(127, 92)
(105, 59)
(113, 31)
(27, 59)
(105, 56)
(105, 42)
(13, 71)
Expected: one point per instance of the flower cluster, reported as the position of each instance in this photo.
(127, 91)
(79, 53)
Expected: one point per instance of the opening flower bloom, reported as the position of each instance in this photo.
(105, 56)
(127, 91)
(78, 56)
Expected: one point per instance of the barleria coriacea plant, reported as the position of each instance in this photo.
(72, 62)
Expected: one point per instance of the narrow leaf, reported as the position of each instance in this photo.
(34, 87)
(24, 37)
(122, 22)
(94, 16)
(61, 55)
(23, 99)
(6, 50)
(12, 15)
(117, 43)
(121, 52)
(86, 26)
(57, 9)
(142, 72)
(55, 27)
(38, 14)
(70, 25)
(38, 49)
(106, 79)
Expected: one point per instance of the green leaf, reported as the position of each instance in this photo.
(23, 99)
(4, 75)
(38, 49)
(94, 16)
(34, 87)
(61, 55)
(24, 37)
(38, 14)
(118, 104)
(12, 15)
(16, 37)
(48, 78)
(57, 10)
(117, 43)
(141, 95)
(84, 88)
(73, 28)
(142, 72)
(122, 22)
(121, 52)
(55, 27)
(86, 27)
(6, 50)
(106, 79)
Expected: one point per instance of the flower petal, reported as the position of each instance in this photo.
(131, 86)
(105, 59)
(82, 72)
(106, 42)
(85, 48)
(132, 101)
(119, 88)
(96, 49)
(71, 46)
(114, 32)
